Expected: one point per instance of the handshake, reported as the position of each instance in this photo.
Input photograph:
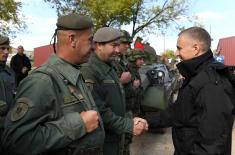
(91, 122)
(140, 126)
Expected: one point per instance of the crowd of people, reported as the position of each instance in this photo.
(84, 99)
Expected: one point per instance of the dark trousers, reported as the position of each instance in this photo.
(112, 148)
(68, 151)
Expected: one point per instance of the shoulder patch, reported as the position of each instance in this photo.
(20, 109)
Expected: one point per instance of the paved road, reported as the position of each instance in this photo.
(153, 144)
(158, 144)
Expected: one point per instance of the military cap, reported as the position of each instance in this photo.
(139, 38)
(135, 54)
(74, 22)
(149, 49)
(4, 41)
(106, 34)
(125, 37)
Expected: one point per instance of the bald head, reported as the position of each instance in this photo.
(74, 46)
(20, 50)
(61, 35)
(199, 35)
(64, 38)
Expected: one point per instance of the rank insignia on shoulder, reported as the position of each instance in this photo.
(20, 109)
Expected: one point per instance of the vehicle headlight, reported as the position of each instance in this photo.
(160, 74)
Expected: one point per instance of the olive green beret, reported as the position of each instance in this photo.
(135, 54)
(4, 41)
(74, 22)
(125, 37)
(106, 34)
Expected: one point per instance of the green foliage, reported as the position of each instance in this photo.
(9, 17)
(169, 54)
(110, 13)
(67, 6)
(145, 16)
(158, 15)
(103, 12)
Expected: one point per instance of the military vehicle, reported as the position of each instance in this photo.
(159, 84)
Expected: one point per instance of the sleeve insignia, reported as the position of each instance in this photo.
(20, 109)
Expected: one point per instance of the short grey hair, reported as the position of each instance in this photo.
(199, 34)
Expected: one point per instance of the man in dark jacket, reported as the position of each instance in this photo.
(7, 75)
(201, 119)
(7, 83)
(137, 59)
(20, 63)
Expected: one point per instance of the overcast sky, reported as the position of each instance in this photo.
(217, 17)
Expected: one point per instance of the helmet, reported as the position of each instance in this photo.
(125, 37)
(135, 54)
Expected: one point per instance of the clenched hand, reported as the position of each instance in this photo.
(125, 77)
(90, 119)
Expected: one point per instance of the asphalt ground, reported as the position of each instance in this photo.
(159, 144)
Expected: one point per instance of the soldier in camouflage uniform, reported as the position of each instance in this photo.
(136, 59)
(7, 83)
(121, 62)
(121, 65)
(54, 111)
(108, 92)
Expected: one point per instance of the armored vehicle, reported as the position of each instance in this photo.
(159, 85)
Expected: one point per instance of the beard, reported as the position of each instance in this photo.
(111, 59)
(115, 58)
